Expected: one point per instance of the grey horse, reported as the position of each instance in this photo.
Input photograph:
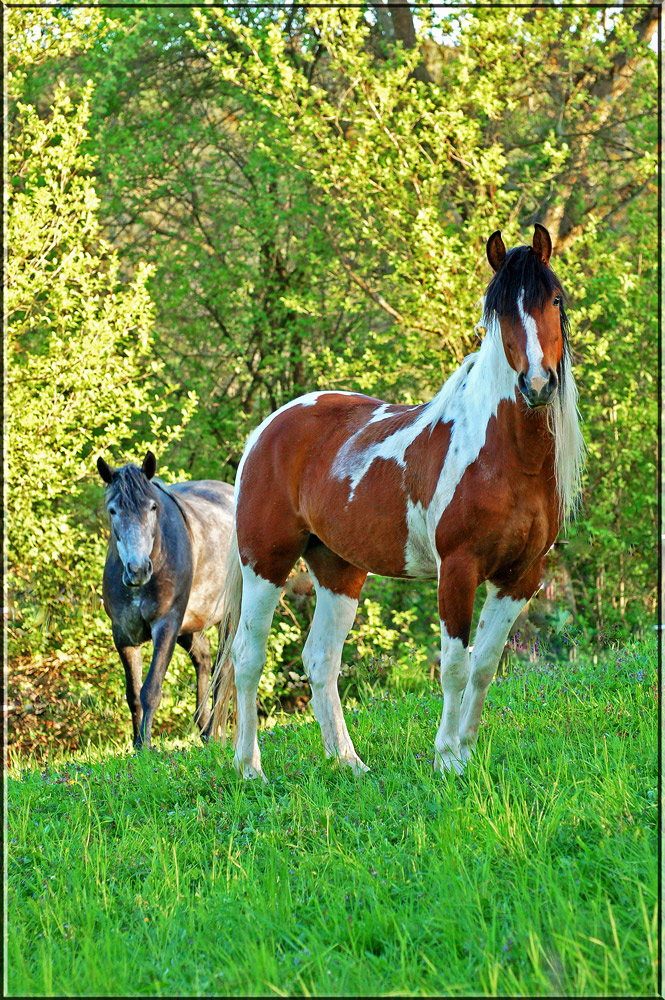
(163, 576)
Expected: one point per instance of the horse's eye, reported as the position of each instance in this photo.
(111, 511)
(153, 506)
(556, 301)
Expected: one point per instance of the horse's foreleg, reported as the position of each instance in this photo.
(457, 586)
(132, 662)
(198, 647)
(259, 600)
(496, 619)
(322, 656)
(164, 635)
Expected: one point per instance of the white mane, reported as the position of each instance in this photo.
(563, 420)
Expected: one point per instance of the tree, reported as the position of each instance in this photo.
(81, 376)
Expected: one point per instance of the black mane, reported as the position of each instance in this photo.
(524, 271)
(130, 487)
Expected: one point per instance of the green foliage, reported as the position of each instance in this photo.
(80, 379)
(612, 546)
(534, 875)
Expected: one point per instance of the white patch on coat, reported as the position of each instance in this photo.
(468, 400)
(333, 617)
(259, 600)
(419, 560)
(353, 463)
(454, 675)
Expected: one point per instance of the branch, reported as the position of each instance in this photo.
(371, 293)
(607, 89)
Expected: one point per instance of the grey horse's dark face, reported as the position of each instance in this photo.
(133, 507)
(134, 533)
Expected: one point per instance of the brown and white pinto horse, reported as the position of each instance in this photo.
(472, 486)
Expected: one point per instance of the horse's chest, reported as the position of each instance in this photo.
(134, 610)
(129, 615)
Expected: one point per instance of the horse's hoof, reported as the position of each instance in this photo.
(446, 761)
(248, 772)
(356, 765)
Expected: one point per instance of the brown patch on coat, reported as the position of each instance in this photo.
(288, 493)
(503, 517)
(424, 461)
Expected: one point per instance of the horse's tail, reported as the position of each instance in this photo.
(222, 682)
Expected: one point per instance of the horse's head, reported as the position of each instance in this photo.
(133, 506)
(527, 299)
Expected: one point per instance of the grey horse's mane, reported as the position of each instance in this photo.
(131, 487)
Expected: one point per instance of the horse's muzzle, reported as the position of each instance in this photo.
(538, 392)
(135, 574)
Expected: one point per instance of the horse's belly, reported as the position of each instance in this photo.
(419, 558)
(204, 607)
(210, 547)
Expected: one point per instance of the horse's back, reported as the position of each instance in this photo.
(210, 490)
(208, 505)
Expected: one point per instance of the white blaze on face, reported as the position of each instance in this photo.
(536, 374)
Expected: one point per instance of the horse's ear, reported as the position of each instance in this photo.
(496, 251)
(542, 244)
(149, 465)
(105, 471)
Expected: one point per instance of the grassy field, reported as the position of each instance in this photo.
(535, 874)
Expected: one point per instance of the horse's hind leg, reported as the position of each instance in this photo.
(333, 617)
(495, 622)
(197, 646)
(259, 600)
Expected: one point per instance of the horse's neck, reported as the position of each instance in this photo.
(468, 402)
(529, 434)
(472, 394)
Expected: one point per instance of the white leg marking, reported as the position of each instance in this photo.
(322, 655)
(259, 600)
(454, 675)
(496, 619)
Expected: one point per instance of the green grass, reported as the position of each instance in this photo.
(535, 874)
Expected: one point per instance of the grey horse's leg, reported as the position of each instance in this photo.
(132, 661)
(198, 647)
(164, 636)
